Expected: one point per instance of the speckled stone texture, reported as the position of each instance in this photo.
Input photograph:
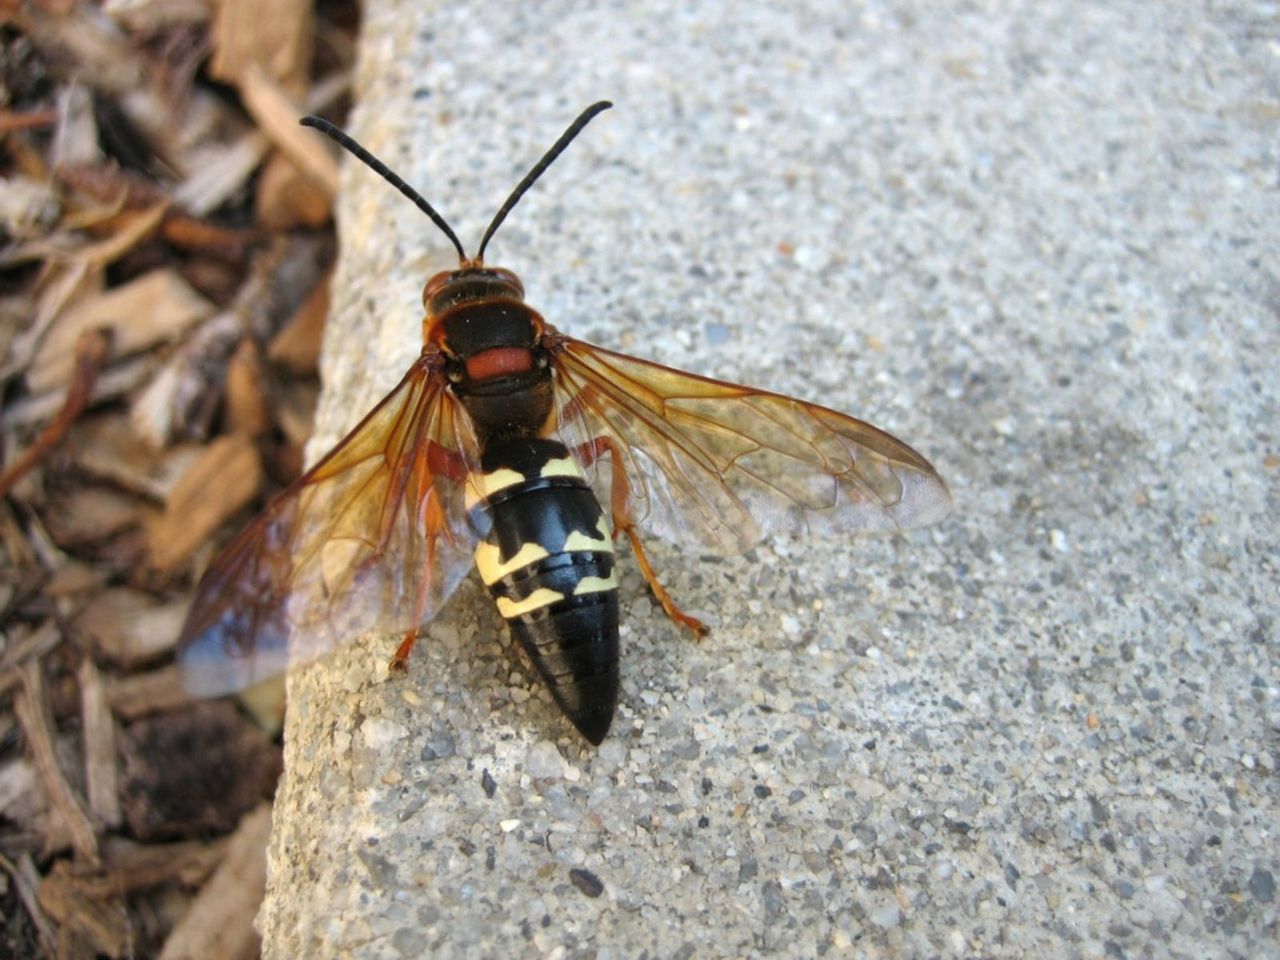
(1036, 240)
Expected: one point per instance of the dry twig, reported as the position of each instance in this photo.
(26, 879)
(32, 708)
(91, 352)
(101, 773)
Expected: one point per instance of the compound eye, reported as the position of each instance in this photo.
(453, 370)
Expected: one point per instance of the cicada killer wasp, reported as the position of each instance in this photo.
(497, 449)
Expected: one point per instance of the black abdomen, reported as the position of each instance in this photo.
(548, 561)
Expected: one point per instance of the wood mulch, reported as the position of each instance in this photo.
(166, 249)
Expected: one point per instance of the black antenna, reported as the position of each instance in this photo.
(548, 158)
(348, 143)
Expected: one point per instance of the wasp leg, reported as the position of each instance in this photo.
(399, 662)
(699, 628)
(620, 495)
(435, 526)
(400, 659)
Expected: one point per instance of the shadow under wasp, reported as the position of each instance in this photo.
(497, 449)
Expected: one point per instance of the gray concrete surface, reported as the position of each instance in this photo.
(1036, 240)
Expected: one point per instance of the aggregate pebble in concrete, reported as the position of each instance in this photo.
(1037, 241)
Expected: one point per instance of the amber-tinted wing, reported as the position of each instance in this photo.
(374, 537)
(718, 465)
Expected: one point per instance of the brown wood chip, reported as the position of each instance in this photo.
(27, 881)
(20, 797)
(287, 198)
(180, 387)
(220, 921)
(101, 774)
(130, 627)
(246, 399)
(131, 866)
(218, 170)
(82, 36)
(222, 481)
(158, 306)
(132, 229)
(91, 353)
(74, 578)
(278, 116)
(280, 43)
(62, 285)
(142, 694)
(76, 139)
(32, 709)
(189, 233)
(105, 446)
(115, 381)
(151, 16)
(125, 231)
(86, 515)
(297, 346)
(295, 412)
(186, 220)
(100, 920)
(12, 121)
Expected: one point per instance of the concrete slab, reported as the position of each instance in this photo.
(1037, 241)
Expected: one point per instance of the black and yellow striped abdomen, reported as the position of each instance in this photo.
(547, 558)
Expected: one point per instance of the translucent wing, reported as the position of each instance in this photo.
(374, 537)
(719, 465)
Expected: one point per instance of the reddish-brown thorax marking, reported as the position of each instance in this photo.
(499, 362)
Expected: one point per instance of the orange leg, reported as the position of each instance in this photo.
(620, 495)
(400, 659)
(399, 662)
(434, 524)
(699, 628)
